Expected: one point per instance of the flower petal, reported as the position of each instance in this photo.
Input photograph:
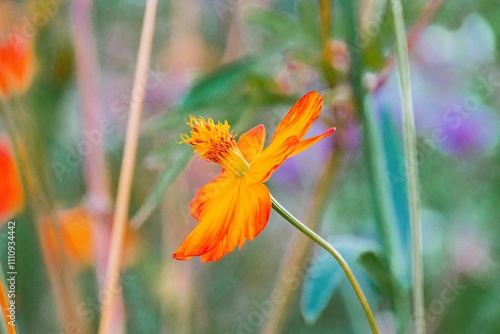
(252, 215)
(208, 193)
(18, 63)
(230, 210)
(270, 159)
(77, 237)
(305, 144)
(11, 189)
(300, 118)
(252, 142)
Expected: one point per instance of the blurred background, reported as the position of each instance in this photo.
(248, 62)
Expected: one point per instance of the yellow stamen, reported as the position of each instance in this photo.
(215, 143)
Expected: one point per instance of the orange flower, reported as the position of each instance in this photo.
(77, 237)
(75, 228)
(236, 205)
(11, 189)
(17, 59)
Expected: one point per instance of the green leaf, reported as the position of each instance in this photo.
(220, 95)
(325, 275)
(378, 269)
(163, 182)
(217, 87)
(143, 309)
(276, 25)
(397, 179)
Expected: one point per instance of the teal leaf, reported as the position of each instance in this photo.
(325, 275)
(398, 184)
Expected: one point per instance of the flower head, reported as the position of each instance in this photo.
(215, 143)
(236, 205)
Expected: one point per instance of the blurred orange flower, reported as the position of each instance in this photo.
(236, 205)
(11, 189)
(77, 237)
(17, 58)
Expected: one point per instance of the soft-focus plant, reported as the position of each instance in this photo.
(66, 91)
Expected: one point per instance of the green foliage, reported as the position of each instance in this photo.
(378, 270)
(297, 35)
(324, 276)
(174, 166)
(397, 179)
(143, 313)
(460, 196)
(212, 90)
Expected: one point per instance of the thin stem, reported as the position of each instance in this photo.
(430, 10)
(127, 168)
(410, 150)
(336, 255)
(300, 246)
(387, 226)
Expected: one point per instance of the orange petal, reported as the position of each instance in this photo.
(4, 73)
(252, 142)
(234, 210)
(208, 193)
(270, 159)
(3, 79)
(77, 234)
(300, 118)
(212, 200)
(76, 231)
(22, 72)
(17, 59)
(11, 190)
(254, 209)
(305, 144)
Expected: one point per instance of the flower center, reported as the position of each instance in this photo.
(214, 142)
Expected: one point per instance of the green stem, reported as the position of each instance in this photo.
(300, 246)
(336, 255)
(374, 153)
(411, 166)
